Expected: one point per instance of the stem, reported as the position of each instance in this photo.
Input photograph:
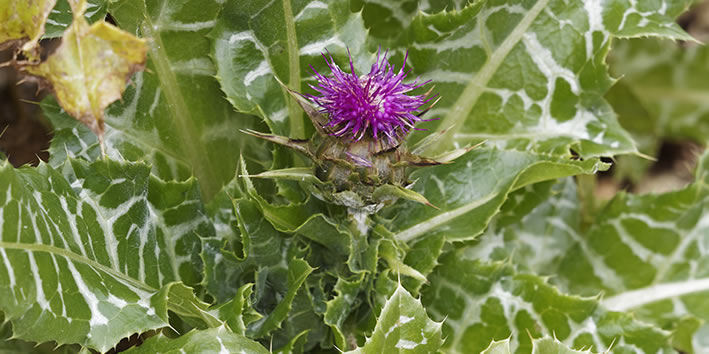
(193, 148)
(297, 128)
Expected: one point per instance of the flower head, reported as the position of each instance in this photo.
(376, 103)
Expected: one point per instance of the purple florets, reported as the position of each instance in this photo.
(376, 102)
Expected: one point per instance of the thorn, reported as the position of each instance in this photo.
(431, 205)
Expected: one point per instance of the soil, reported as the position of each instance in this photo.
(25, 134)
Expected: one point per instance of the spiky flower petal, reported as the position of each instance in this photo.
(375, 104)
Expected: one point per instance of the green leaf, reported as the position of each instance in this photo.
(61, 16)
(526, 75)
(661, 93)
(307, 219)
(185, 304)
(387, 19)
(646, 253)
(271, 261)
(535, 229)
(472, 189)
(295, 345)
(238, 313)
(303, 329)
(423, 257)
(498, 347)
(262, 247)
(551, 345)
(643, 252)
(489, 301)
(540, 346)
(174, 116)
(17, 346)
(213, 340)
(255, 42)
(298, 270)
(341, 306)
(90, 256)
(403, 327)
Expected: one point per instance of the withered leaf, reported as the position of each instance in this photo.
(23, 21)
(89, 70)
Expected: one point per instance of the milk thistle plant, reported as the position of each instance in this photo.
(261, 176)
(360, 160)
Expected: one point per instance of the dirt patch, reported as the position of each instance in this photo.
(25, 133)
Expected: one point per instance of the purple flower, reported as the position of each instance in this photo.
(375, 103)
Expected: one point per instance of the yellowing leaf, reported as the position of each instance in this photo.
(23, 20)
(90, 68)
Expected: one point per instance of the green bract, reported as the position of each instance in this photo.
(169, 238)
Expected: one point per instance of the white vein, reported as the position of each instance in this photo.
(545, 61)
(41, 298)
(186, 27)
(442, 75)
(195, 66)
(222, 348)
(441, 219)
(10, 270)
(97, 318)
(60, 291)
(280, 115)
(636, 247)
(316, 48)
(257, 13)
(315, 5)
(156, 100)
(639, 297)
(600, 269)
(262, 69)
(594, 9)
(71, 218)
(468, 40)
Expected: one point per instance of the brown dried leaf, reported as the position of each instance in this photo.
(89, 70)
(23, 21)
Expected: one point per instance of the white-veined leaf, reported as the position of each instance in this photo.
(470, 191)
(645, 253)
(213, 340)
(97, 252)
(173, 115)
(482, 302)
(528, 74)
(403, 327)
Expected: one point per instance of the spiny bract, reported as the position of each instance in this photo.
(360, 159)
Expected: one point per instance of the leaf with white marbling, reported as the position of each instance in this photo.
(403, 327)
(645, 253)
(485, 301)
(174, 115)
(528, 74)
(256, 41)
(469, 191)
(96, 252)
(213, 340)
